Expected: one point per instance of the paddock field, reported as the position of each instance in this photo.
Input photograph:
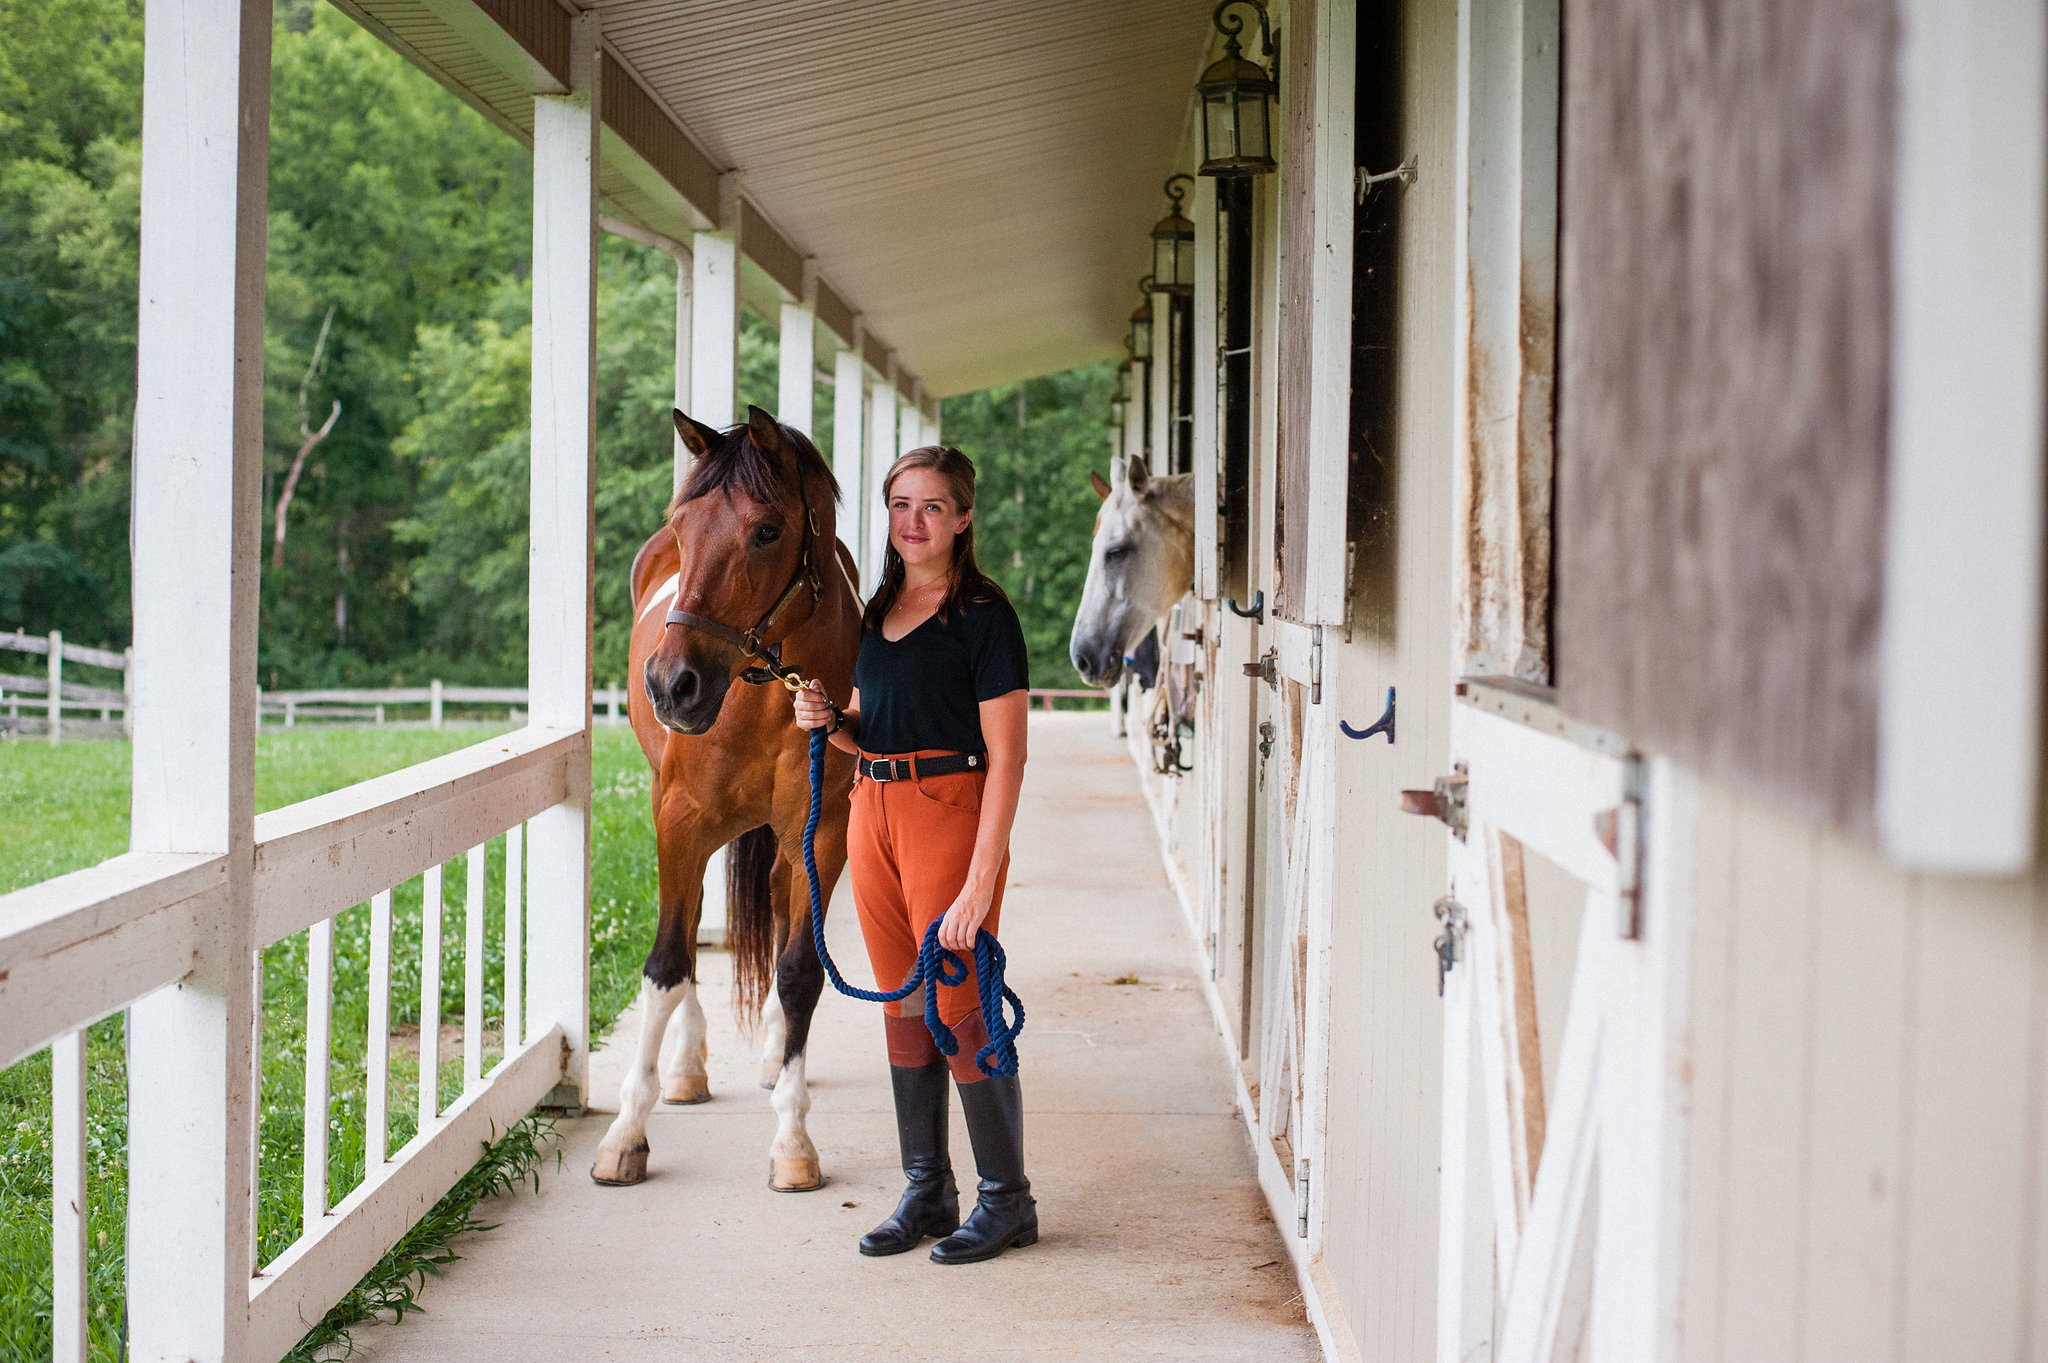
(66, 807)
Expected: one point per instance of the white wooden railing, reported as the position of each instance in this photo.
(83, 946)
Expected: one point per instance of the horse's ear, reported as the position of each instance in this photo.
(766, 432)
(1136, 476)
(697, 437)
(1099, 483)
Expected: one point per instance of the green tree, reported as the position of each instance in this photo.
(1033, 445)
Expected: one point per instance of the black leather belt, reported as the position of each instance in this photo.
(886, 769)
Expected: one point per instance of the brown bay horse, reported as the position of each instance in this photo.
(748, 568)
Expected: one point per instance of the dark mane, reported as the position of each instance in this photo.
(736, 462)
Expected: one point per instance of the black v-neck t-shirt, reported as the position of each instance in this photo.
(924, 691)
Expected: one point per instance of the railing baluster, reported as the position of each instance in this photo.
(376, 1123)
(319, 1056)
(256, 1119)
(67, 1183)
(473, 971)
(515, 939)
(430, 997)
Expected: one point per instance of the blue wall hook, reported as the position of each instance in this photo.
(1383, 725)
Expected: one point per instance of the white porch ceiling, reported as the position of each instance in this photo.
(977, 177)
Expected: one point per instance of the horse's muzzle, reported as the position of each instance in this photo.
(1100, 664)
(685, 696)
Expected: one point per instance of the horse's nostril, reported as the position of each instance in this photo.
(686, 686)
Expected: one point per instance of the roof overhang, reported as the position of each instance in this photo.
(973, 178)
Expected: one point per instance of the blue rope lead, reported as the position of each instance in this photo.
(935, 964)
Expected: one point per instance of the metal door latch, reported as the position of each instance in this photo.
(1445, 802)
(1267, 669)
(1265, 740)
(1451, 914)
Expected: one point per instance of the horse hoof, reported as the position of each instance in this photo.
(686, 1089)
(620, 1168)
(799, 1174)
(771, 1070)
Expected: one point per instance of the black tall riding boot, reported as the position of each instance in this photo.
(1005, 1217)
(931, 1204)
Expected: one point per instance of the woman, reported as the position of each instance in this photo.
(937, 719)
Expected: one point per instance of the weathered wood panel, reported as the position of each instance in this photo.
(1722, 394)
(1297, 322)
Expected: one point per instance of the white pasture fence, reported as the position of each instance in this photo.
(51, 694)
(376, 704)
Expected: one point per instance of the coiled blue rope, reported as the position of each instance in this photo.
(935, 964)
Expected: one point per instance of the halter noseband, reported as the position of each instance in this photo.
(753, 641)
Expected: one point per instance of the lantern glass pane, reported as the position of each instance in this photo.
(1219, 127)
(1253, 141)
(1184, 263)
(1163, 262)
(1141, 339)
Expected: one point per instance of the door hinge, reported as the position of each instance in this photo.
(1451, 914)
(1445, 801)
(1301, 1198)
(1315, 667)
(1620, 831)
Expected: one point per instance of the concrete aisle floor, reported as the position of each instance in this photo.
(1156, 1242)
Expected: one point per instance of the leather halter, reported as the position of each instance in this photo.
(753, 642)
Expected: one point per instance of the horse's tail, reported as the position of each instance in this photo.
(750, 920)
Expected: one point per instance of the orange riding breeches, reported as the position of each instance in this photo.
(908, 848)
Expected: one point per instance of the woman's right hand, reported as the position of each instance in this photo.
(812, 709)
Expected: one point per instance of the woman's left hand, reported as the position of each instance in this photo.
(963, 921)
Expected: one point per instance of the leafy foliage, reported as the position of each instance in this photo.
(1033, 445)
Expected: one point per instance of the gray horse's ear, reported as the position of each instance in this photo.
(697, 437)
(1099, 483)
(1136, 476)
(765, 431)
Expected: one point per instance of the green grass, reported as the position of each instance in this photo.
(69, 809)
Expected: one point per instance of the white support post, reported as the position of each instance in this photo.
(685, 306)
(715, 314)
(1207, 454)
(795, 394)
(849, 393)
(910, 422)
(565, 169)
(1158, 392)
(128, 693)
(197, 478)
(68, 1226)
(1134, 418)
(933, 434)
(56, 695)
(881, 453)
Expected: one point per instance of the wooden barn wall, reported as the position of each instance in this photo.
(1723, 312)
(1868, 1131)
(1297, 186)
(1386, 1024)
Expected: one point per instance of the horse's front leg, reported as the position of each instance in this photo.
(799, 981)
(668, 981)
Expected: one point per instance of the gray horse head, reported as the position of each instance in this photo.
(1142, 561)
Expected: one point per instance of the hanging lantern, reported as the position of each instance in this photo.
(1140, 340)
(1173, 244)
(1237, 101)
(1123, 387)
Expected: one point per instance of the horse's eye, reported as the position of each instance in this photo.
(1111, 555)
(765, 535)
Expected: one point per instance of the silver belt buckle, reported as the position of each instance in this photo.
(882, 772)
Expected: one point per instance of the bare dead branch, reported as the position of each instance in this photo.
(308, 435)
